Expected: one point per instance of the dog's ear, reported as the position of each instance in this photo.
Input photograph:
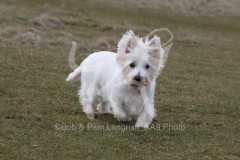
(127, 43)
(155, 47)
(155, 42)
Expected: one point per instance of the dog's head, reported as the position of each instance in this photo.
(139, 59)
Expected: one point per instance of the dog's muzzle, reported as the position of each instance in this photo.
(138, 78)
(139, 81)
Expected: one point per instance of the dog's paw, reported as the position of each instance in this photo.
(91, 116)
(103, 108)
(123, 119)
(145, 126)
(89, 112)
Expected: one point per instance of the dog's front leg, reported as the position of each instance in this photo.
(145, 117)
(118, 111)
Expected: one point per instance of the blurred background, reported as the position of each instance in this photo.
(198, 88)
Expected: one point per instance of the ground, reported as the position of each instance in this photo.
(197, 95)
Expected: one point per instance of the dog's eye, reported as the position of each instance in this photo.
(147, 66)
(132, 65)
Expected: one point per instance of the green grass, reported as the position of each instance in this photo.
(198, 89)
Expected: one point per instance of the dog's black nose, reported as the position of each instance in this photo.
(137, 78)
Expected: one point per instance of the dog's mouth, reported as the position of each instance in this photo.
(137, 84)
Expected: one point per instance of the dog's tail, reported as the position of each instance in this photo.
(75, 75)
(71, 56)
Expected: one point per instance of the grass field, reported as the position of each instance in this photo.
(197, 96)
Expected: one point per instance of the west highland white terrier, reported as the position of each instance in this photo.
(121, 83)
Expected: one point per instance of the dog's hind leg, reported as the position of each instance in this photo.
(103, 108)
(88, 98)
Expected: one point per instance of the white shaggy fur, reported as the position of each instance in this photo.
(121, 83)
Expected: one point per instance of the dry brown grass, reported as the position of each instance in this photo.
(210, 8)
(46, 20)
(107, 44)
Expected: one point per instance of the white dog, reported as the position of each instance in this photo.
(121, 83)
